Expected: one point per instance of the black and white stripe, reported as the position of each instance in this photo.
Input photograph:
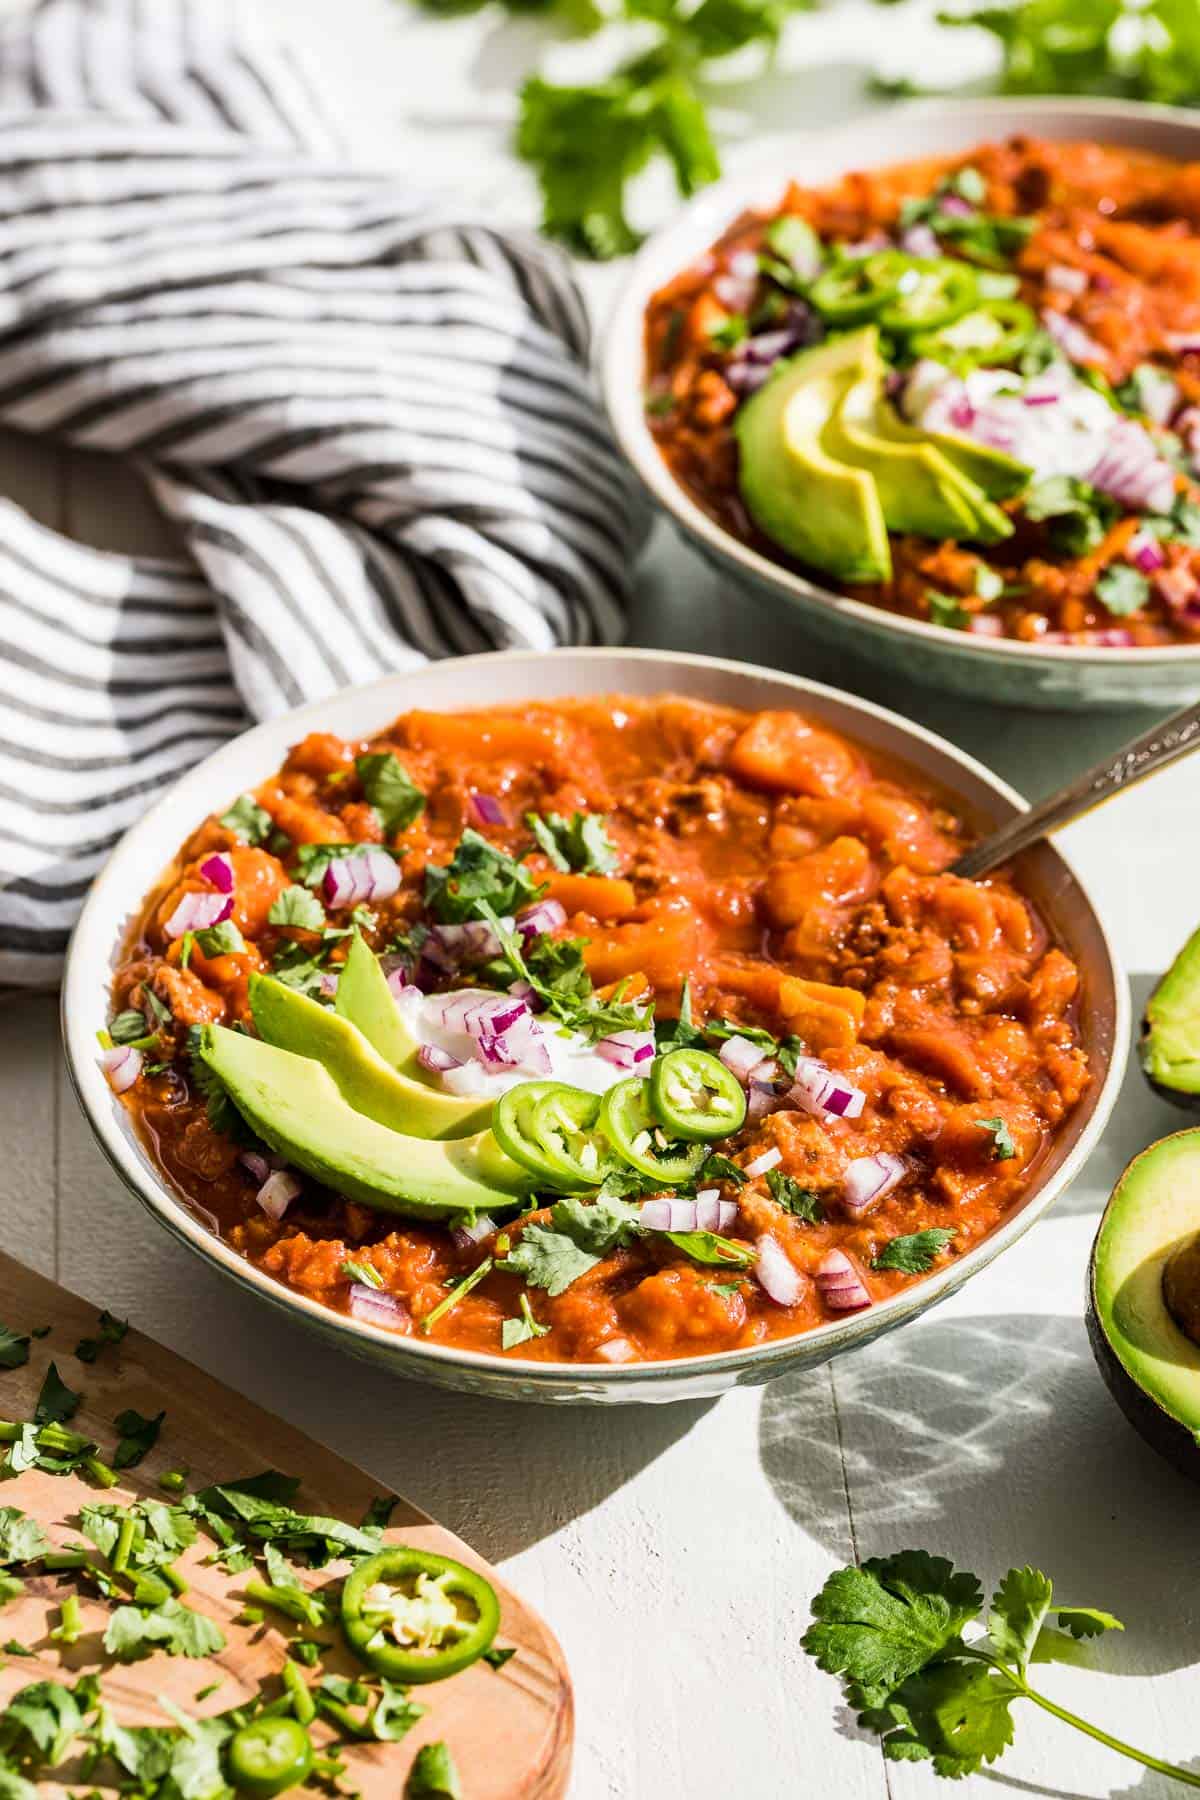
(369, 417)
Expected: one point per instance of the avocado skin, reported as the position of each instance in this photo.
(1179, 993)
(1173, 1439)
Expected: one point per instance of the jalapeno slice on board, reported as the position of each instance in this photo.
(853, 288)
(995, 331)
(638, 1138)
(694, 1096)
(269, 1756)
(414, 1616)
(930, 293)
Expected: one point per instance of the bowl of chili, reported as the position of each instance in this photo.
(1023, 275)
(800, 1082)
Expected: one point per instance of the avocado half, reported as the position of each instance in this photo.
(1143, 1310)
(1170, 1045)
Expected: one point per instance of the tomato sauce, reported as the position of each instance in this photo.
(797, 883)
(1113, 256)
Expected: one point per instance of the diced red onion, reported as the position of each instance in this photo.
(616, 1350)
(744, 265)
(986, 625)
(955, 207)
(839, 1283)
(761, 1100)
(668, 1215)
(488, 810)
(920, 240)
(1110, 637)
(543, 916)
(1158, 394)
(869, 1178)
(219, 870)
(374, 1306)
(277, 1193)
(1066, 279)
(715, 1214)
(1183, 343)
(1176, 588)
(775, 1272)
(329, 983)
(1040, 399)
(1145, 552)
(469, 1237)
(763, 1074)
(436, 1060)
(1072, 339)
(473, 941)
(745, 377)
(818, 1090)
(740, 1057)
(197, 912)
(367, 874)
(769, 1159)
(733, 293)
(398, 982)
(867, 246)
(255, 1165)
(626, 1049)
(122, 1064)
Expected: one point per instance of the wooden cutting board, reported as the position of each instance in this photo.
(510, 1730)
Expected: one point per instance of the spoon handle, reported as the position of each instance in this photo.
(1162, 744)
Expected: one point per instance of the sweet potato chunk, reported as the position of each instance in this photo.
(600, 896)
(781, 751)
(841, 872)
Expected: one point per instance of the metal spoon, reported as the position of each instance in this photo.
(1162, 744)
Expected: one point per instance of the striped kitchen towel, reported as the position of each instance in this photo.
(368, 414)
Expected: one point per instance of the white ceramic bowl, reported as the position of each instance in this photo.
(137, 864)
(1055, 676)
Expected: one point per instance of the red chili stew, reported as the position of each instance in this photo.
(792, 887)
(1080, 303)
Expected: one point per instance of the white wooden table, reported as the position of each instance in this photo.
(675, 1549)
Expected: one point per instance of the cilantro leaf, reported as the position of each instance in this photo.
(128, 1027)
(391, 790)
(947, 610)
(365, 1274)
(1086, 1621)
(138, 1435)
(134, 1632)
(259, 1507)
(22, 1539)
(956, 1713)
(715, 1252)
(800, 1201)
(1079, 515)
(1122, 590)
(878, 1624)
(479, 874)
(1002, 1144)
(220, 940)
(916, 1253)
(520, 1330)
(14, 1348)
(57, 1402)
(1018, 1612)
(109, 1330)
(297, 906)
(721, 1168)
(578, 1237)
(496, 1658)
(248, 820)
(580, 842)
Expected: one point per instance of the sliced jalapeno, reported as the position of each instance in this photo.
(512, 1124)
(853, 289)
(269, 1755)
(414, 1616)
(563, 1123)
(638, 1138)
(930, 293)
(994, 332)
(694, 1096)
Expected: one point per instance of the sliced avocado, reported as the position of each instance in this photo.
(818, 508)
(291, 1021)
(1170, 1047)
(1000, 477)
(919, 490)
(363, 997)
(1144, 1297)
(294, 1105)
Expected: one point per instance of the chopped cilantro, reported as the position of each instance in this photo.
(794, 243)
(478, 876)
(57, 1402)
(991, 239)
(721, 1168)
(578, 1237)
(364, 1273)
(220, 940)
(1002, 1144)
(914, 1254)
(731, 332)
(706, 1247)
(297, 906)
(520, 1330)
(391, 790)
(555, 969)
(726, 1288)
(22, 1540)
(580, 842)
(800, 1201)
(312, 860)
(1079, 516)
(223, 1115)
(259, 1510)
(109, 1330)
(248, 820)
(380, 1511)
(947, 610)
(128, 1027)
(1122, 589)
(138, 1435)
(14, 1348)
(134, 1631)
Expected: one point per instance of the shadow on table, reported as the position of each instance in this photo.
(992, 1440)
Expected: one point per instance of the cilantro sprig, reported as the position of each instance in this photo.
(893, 1631)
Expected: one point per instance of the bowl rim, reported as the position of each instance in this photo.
(619, 368)
(93, 938)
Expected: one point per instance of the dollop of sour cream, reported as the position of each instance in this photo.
(1052, 422)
